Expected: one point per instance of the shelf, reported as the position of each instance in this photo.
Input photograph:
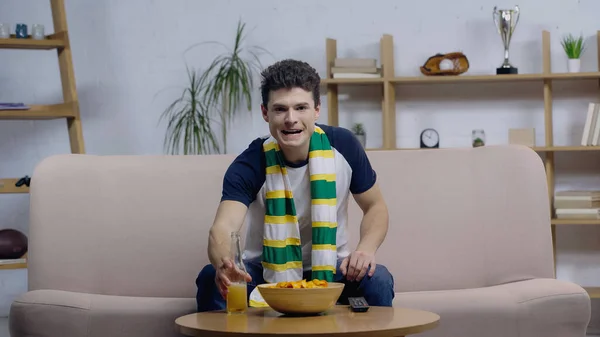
(575, 222)
(466, 78)
(535, 148)
(355, 81)
(495, 78)
(64, 110)
(12, 265)
(8, 186)
(54, 41)
(565, 148)
(594, 292)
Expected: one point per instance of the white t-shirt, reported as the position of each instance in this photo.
(245, 178)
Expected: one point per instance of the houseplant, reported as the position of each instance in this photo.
(573, 47)
(212, 96)
(189, 123)
(359, 131)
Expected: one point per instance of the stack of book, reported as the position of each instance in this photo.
(577, 204)
(591, 129)
(355, 68)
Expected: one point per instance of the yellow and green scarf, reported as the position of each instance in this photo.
(282, 250)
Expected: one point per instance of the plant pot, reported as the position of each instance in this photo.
(574, 65)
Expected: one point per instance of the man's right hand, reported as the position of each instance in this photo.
(228, 272)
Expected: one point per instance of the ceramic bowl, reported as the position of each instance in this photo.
(301, 301)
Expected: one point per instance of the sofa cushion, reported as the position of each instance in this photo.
(50, 313)
(531, 308)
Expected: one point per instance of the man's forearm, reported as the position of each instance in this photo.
(219, 243)
(373, 228)
(229, 218)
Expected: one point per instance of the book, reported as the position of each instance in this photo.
(589, 136)
(578, 213)
(355, 62)
(365, 70)
(356, 75)
(577, 199)
(13, 106)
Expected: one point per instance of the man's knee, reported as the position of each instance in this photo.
(382, 279)
(383, 276)
(208, 297)
(207, 273)
(379, 288)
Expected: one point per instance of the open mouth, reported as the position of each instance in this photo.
(290, 132)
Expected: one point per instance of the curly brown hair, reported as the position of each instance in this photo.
(290, 74)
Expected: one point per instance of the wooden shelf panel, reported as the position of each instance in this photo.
(64, 110)
(466, 78)
(53, 41)
(494, 78)
(19, 265)
(594, 292)
(355, 81)
(575, 222)
(536, 148)
(565, 148)
(7, 185)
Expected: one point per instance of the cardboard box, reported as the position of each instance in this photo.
(522, 137)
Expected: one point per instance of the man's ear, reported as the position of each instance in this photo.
(264, 110)
(317, 112)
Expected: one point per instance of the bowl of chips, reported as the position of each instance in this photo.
(301, 297)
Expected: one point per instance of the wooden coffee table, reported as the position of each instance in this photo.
(340, 320)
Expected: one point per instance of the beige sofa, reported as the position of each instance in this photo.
(116, 243)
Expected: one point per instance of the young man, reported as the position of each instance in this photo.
(291, 189)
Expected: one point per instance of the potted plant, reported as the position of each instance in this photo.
(213, 96)
(359, 131)
(573, 47)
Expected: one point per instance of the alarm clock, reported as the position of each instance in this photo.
(430, 139)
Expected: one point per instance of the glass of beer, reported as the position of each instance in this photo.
(237, 293)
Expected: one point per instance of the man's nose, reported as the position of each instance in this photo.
(290, 116)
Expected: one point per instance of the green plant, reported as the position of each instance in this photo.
(213, 96)
(229, 80)
(573, 47)
(189, 122)
(358, 129)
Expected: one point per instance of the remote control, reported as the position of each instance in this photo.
(358, 304)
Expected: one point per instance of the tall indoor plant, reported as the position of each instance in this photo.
(213, 96)
(573, 47)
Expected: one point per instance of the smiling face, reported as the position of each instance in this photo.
(291, 114)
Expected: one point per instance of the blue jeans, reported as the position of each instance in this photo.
(378, 289)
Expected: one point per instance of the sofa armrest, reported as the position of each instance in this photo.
(50, 313)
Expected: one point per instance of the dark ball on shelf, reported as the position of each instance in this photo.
(13, 244)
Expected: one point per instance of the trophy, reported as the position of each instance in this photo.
(506, 20)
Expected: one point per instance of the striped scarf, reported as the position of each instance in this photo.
(282, 250)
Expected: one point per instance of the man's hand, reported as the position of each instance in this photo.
(227, 273)
(357, 265)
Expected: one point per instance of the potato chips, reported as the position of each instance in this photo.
(302, 284)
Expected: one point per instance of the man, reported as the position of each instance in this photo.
(291, 189)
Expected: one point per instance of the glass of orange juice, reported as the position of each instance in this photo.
(237, 298)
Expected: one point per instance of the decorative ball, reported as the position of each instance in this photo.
(446, 65)
(13, 244)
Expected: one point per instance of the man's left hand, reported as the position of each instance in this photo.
(356, 266)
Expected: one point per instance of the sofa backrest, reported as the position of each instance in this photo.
(138, 225)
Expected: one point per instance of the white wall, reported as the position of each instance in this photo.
(121, 64)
